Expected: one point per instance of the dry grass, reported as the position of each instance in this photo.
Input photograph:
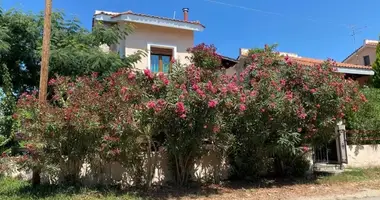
(349, 182)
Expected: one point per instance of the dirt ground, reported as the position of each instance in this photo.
(307, 191)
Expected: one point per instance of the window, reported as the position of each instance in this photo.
(160, 59)
(367, 61)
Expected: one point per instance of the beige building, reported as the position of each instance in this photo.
(163, 39)
(364, 55)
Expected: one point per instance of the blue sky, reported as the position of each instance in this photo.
(310, 28)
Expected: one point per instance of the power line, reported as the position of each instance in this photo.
(277, 14)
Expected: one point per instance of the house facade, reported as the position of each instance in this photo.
(163, 39)
(364, 55)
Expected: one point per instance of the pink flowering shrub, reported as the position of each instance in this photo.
(288, 105)
(66, 131)
(264, 116)
(199, 102)
(205, 56)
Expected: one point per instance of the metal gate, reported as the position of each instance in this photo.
(334, 152)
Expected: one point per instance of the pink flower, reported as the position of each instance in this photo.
(302, 115)
(183, 116)
(224, 90)
(363, 98)
(180, 108)
(313, 90)
(305, 149)
(161, 102)
(200, 93)
(232, 87)
(165, 81)
(148, 73)
(211, 88)
(299, 130)
(52, 81)
(242, 107)
(253, 93)
(283, 82)
(131, 76)
(155, 88)
(289, 95)
(195, 87)
(123, 90)
(151, 104)
(318, 105)
(212, 103)
(215, 129)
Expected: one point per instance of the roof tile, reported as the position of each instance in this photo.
(312, 61)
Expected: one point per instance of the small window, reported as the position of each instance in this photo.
(160, 59)
(367, 61)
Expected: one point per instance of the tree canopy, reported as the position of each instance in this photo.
(376, 68)
(75, 51)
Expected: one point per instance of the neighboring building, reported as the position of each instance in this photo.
(361, 73)
(364, 55)
(164, 39)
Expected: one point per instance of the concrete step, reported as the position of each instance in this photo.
(327, 168)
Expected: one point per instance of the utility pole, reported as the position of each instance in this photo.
(45, 52)
(36, 174)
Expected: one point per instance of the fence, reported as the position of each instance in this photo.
(363, 137)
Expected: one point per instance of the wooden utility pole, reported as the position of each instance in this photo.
(36, 175)
(45, 52)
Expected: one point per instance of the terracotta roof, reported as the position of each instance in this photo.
(113, 14)
(312, 61)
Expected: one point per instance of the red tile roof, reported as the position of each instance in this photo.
(312, 61)
(145, 15)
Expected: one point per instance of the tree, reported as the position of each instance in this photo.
(376, 68)
(7, 109)
(74, 50)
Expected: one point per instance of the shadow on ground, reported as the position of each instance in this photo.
(157, 192)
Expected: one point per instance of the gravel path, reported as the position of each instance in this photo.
(366, 194)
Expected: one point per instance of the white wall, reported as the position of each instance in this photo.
(148, 34)
(363, 156)
(211, 167)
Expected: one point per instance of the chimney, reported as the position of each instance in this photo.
(185, 14)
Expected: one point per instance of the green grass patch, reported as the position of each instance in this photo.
(352, 175)
(12, 189)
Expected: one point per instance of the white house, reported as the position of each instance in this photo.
(162, 38)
